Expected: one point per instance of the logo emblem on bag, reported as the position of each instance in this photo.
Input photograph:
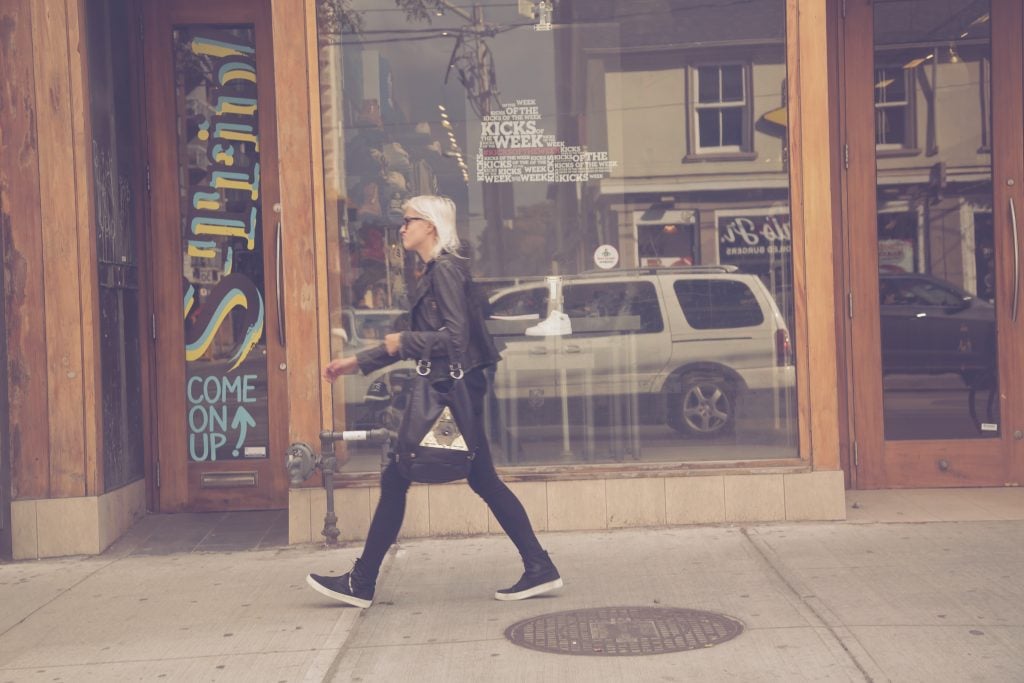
(445, 433)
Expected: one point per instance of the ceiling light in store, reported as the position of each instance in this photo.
(882, 85)
(980, 20)
(914, 63)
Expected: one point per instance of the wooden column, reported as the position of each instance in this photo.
(51, 288)
(295, 73)
(321, 241)
(811, 150)
(23, 268)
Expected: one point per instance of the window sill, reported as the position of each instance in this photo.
(582, 471)
(894, 153)
(718, 156)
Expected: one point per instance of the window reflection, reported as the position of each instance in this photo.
(935, 239)
(622, 187)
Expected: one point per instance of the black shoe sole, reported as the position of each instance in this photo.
(539, 589)
(340, 597)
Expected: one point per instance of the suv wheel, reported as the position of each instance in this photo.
(705, 406)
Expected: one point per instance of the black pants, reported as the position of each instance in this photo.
(483, 479)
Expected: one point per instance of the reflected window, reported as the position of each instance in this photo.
(893, 119)
(524, 304)
(613, 308)
(721, 108)
(938, 335)
(718, 304)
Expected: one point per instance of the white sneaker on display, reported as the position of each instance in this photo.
(556, 324)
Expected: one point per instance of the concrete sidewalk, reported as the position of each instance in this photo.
(874, 598)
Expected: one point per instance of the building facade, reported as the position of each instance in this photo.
(739, 258)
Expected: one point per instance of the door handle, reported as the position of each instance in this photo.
(279, 277)
(573, 348)
(538, 351)
(1016, 261)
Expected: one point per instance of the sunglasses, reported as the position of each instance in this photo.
(406, 220)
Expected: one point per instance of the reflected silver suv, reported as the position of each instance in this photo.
(697, 338)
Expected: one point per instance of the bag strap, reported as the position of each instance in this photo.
(455, 370)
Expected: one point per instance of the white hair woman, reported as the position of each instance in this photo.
(439, 214)
(443, 308)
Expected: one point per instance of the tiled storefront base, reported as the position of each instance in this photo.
(74, 526)
(453, 509)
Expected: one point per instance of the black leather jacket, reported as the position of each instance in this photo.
(444, 309)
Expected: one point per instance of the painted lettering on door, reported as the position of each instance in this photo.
(223, 278)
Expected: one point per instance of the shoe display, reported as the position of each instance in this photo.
(352, 588)
(540, 577)
(555, 325)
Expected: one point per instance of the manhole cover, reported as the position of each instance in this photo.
(618, 631)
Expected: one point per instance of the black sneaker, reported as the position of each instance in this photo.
(348, 588)
(540, 577)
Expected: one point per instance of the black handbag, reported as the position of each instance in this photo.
(437, 438)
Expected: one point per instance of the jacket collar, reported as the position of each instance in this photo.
(422, 285)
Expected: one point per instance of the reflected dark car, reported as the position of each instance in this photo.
(930, 326)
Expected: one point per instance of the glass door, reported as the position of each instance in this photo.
(934, 157)
(216, 243)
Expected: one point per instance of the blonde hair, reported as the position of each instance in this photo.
(440, 211)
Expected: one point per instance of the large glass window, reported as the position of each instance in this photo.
(621, 177)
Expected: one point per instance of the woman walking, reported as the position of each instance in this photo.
(444, 310)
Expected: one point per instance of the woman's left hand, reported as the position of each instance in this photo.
(392, 342)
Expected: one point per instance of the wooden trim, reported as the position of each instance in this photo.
(89, 294)
(144, 257)
(6, 537)
(291, 53)
(611, 471)
(800, 338)
(840, 243)
(21, 223)
(860, 215)
(813, 274)
(163, 201)
(60, 242)
(270, 159)
(947, 463)
(1008, 165)
(320, 237)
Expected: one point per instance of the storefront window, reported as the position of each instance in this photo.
(621, 177)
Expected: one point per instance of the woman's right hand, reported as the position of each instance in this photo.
(340, 366)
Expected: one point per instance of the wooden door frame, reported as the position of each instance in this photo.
(878, 463)
(145, 259)
(6, 536)
(1008, 167)
(173, 476)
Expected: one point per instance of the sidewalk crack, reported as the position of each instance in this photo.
(56, 597)
(819, 611)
